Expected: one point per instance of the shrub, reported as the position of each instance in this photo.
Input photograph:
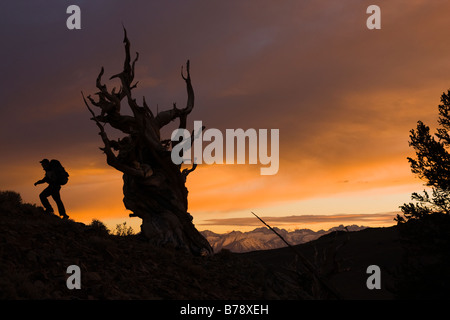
(10, 200)
(123, 230)
(99, 227)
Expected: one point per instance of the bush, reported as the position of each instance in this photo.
(11, 203)
(10, 200)
(123, 230)
(98, 227)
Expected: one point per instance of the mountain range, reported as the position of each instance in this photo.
(264, 239)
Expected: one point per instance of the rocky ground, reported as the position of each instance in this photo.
(36, 249)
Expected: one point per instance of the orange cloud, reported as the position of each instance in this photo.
(380, 219)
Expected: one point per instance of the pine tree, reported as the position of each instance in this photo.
(432, 164)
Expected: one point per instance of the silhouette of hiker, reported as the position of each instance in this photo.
(52, 190)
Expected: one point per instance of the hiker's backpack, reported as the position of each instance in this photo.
(60, 174)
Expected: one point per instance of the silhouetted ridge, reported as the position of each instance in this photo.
(37, 248)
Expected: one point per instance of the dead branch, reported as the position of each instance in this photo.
(305, 262)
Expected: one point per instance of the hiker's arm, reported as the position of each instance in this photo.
(40, 181)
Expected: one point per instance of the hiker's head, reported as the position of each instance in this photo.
(45, 163)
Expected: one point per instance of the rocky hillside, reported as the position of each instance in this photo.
(36, 250)
(264, 239)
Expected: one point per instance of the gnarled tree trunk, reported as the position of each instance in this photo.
(153, 186)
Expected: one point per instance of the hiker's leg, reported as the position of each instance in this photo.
(57, 197)
(43, 196)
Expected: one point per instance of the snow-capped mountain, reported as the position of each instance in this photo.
(263, 238)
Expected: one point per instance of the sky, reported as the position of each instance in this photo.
(342, 96)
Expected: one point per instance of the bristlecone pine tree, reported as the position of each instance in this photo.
(153, 186)
(432, 164)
